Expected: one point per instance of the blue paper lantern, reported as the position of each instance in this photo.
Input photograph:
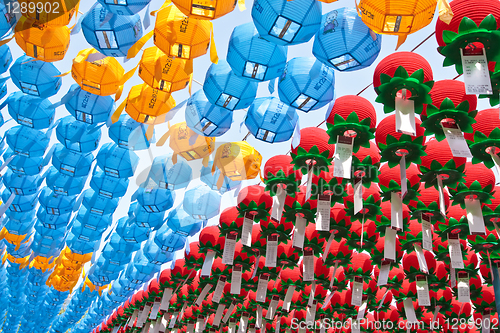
(306, 84)
(140, 270)
(35, 77)
(183, 223)
(155, 255)
(117, 162)
(26, 141)
(287, 22)
(167, 175)
(56, 204)
(210, 179)
(143, 218)
(270, 120)
(131, 232)
(169, 241)
(63, 184)
(51, 221)
(120, 246)
(124, 7)
(111, 34)
(5, 57)
(86, 234)
(21, 185)
(21, 203)
(71, 163)
(225, 89)
(19, 216)
(24, 165)
(107, 186)
(155, 200)
(30, 111)
(15, 228)
(46, 249)
(87, 107)
(201, 202)
(7, 17)
(42, 233)
(253, 57)
(93, 221)
(205, 118)
(97, 204)
(78, 136)
(345, 42)
(129, 134)
(79, 246)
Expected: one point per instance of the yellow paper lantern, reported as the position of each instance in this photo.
(50, 12)
(163, 72)
(181, 136)
(205, 9)
(43, 263)
(148, 105)
(42, 42)
(96, 73)
(237, 161)
(180, 36)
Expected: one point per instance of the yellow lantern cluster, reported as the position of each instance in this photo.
(67, 270)
(148, 105)
(50, 12)
(206, 9)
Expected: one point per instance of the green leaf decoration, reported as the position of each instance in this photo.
(300, 160)
(467, 25)
(362, 128)
(413, 146)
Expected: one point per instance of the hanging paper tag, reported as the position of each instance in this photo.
(115, 329)
(278, 326)
(229, 245)
(190, 327)
(411, 317)
(278, 203)
(206, 269)
(421, 258)
(463, 287)
(355, 326)
(453, 277)
(262, 288)
(154, 310)
(145, 312)
(476, 73)
(271, 251)
(288, 298)
(218, 315)
(358, 195)
(405, 116)
(299, 233)
(236, 280)
(273, 306)
(475, 217)
(442, 207)
(332, 278)
(390, 244)
(243, 323)
(203, 294)
(311, 312)
(383, 275)
(328, 298)
(146, 327)
(258, 316)
(434, 323)
(396, 211)
(455, 251)
(456, 141)
(323, 216)
(423, 291)
(173, 319)
(256, 266)
(133, 318)
(426, 233)
(402, 176)
(219, 289)
(382, 300)
(232, 325)
(357, 291)
(486, 323)
(229, 312)
(165, 300)
(496, 160)
(309, 182)
(311, 294)
(362, 310)
(308, 266)
(342, 161)
(200, 324)
(246, 232)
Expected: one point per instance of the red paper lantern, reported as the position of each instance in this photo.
(230, 222)
(254, 200)
(279, 171)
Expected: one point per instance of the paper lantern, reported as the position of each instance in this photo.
(97, 74)
(211, 179)
(254, 201)
(36, 77)
(8, 19)
(26, 141)
(127, 7)
(117, 162)
(286, 23)
(64, 184)
(5, 58)
(344, 42)
(252, 57)
(479, 184)
(148, 105)
(205, 118)
(109, 187)
(225, 89)
(30, 111)
(237, 161)
(313, 151)
(327, 184)
(77, 136)
(98, 204)
(278, 172)
(183, 223)
(483, 141)
(130, 134)
(366, 163)
(429, 203)
(181, 36)
(87, 107)
(201, 202)
(54, 13)
(270, 120)
(155, 200)
(205, 10)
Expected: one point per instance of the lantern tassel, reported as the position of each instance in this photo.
(134, 49)
(401, 40)
(445, 12)
(165, 5)
(241, 5)
(128, 75)
(163, 139)
(213, 51)
(116, 115)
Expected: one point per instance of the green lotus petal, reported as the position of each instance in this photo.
(488, 23)
(449, 36)
(467, 25)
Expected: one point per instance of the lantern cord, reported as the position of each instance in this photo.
(425, 40)
(246, 136)
(197, 82)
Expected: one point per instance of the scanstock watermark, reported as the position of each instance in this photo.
(356, 325)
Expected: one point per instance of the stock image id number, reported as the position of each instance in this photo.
(462, 323)
(32, 7)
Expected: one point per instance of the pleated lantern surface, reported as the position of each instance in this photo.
(7, 19)
(87, 107)
(287, 22)
(205, 118)
(42, 42)
(35, 78)
(205, 9)
(270, 120)
(124, 7)
(252, 57)
(97, 74)
(111, 36)
(344, 42)
(53, 12)
(306, 84)
(225, 89)
(180, 143)
(147, 105)
(180, 36)
(237, 161)
(164, 72)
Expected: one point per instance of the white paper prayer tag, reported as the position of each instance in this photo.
(312, 294)
(383, 299)
(402, 175)
(206, 269)
(426, 233)
(278, 326)
(273, 306)
(236, 280)
(246, 230)
(396, 211)
(476, 73)
(309, 181)
(455, 251)
(288, 298)
(405, 116)
(203, 294)
(495, 158)
(219, 288)
(463, 287)
(390, 244)
(342, 160)
(383, 275)
(456, 141)
(411, 317)
(434, 316)
(243, 323)
(358, 195)
(486, 324)
(173, 320)
(311, 312)
(258, 316)
(229, 246)
(421, 258)
(145, 312)
(308, 266)
(229, 312)
(357, 291)
(271, 251)
(332, 278)
(328, 245)
(190, 327)
(256, 266)
(442, 207)
(146, 327)
(362, 310)
(154, 310)
(165, 300)
(133, 318)
(115, 329)
(475, 217)
(262, 288)
(328, 298)
(323, 216)
(299, 232)
(278, 203)
(355, 326)
(423, 291)
(218, 315)
(453, 277)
